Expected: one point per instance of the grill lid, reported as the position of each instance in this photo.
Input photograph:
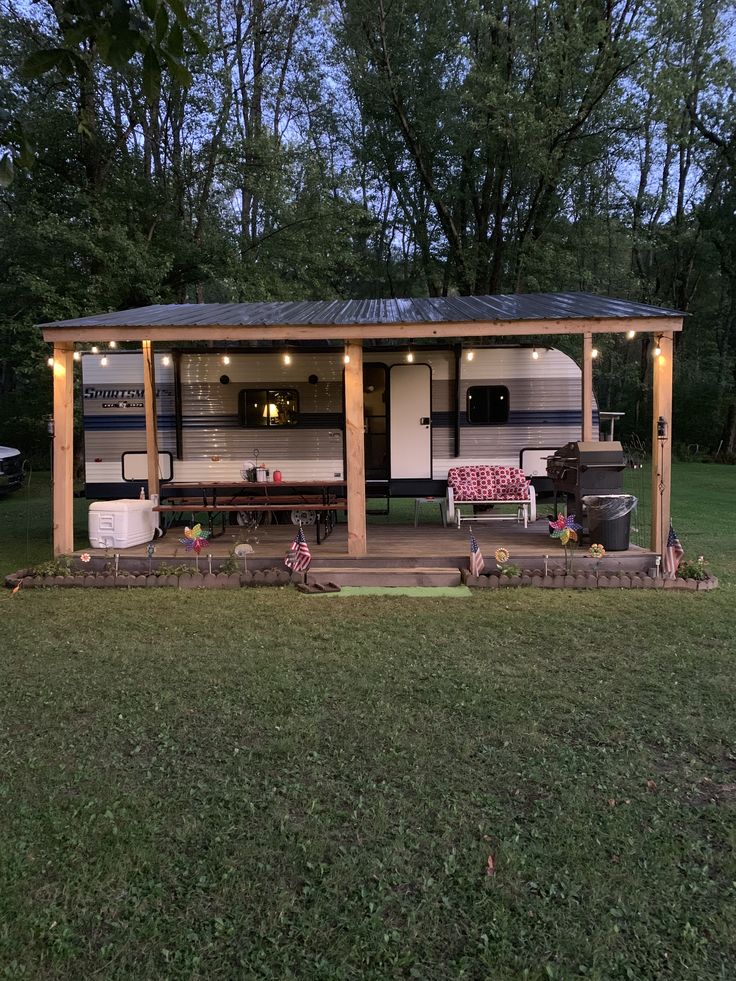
(586, 455)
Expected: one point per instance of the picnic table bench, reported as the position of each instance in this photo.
(316, 500)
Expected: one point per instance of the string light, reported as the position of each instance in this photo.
(166, 361)
(95, 349)
(594, 352)
(657, 348)
(103, 360)
(346, 358)
(113, 344)
(77, 356)
(226, 359)
(287, 359)
(535, 354)
(410, 357)
(50, 362)
(631, 335)
(470, 355)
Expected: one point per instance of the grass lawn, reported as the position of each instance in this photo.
(261, 784)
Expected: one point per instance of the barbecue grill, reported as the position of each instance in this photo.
(578, 469)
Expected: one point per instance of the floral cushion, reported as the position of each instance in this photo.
(486, 482)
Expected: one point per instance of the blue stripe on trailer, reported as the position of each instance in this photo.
(520, 417)
(329, 420)
(94, 424)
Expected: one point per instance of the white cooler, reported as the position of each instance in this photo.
(120, 524)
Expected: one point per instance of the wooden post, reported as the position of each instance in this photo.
(355, 449)
(587, 386)
(661, 445)
(63, 475)
(149, 398)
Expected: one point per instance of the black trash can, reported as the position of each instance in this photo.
(609, 520)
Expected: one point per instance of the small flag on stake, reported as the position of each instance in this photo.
(477, 562)
(672, 553)
(298, 557)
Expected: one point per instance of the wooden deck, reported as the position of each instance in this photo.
(390, 545)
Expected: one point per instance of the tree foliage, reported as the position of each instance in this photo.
(260, 149)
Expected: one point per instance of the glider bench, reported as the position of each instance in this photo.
(485, 485)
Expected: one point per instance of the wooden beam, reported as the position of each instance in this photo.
(92, 333)
(661, 445)
(355, 450)
(149, 399)
(587, 386)
(63, 456)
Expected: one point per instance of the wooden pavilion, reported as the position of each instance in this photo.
(353, 323)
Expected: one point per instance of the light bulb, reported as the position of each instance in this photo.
(346, 359)
(410, 357)
(594, 352)
(657, 350)
(77, 356)
(166, 361)
(631, 335)
(103, 361)
(226, 359)
(470, 355)
(287, 359)
(535, 354)
(50, 362)
(113, 344)
(95, 349)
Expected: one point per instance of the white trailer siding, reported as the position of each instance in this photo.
(216, 446)
(114, 414)
(544, 410)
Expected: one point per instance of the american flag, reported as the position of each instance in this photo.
(477, 562)
(672, 553)
(298, 557)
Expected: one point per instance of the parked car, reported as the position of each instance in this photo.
(11, 469)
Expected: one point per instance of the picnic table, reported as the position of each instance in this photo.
(319, 499)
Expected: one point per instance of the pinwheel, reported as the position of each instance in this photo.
(502, 555)
(194, 539)
(565, 528)
(597, 551)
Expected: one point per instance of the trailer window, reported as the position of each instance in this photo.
(259, 407)
(487, 405)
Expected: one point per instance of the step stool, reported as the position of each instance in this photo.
(430, 500)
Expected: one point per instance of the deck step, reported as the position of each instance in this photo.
(385, 576)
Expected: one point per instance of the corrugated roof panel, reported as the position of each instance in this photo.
(457, 309)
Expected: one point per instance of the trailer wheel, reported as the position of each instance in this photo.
(249, 519)
(303, 517)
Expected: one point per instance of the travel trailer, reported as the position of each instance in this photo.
(221, 412)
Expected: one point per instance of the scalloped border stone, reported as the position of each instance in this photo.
(127, 580)
(587, 581)
(280, 577)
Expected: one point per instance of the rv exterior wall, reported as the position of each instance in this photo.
(544, 410)
(114, 413)
(211, 427)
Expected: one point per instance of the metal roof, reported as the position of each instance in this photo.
(438, 310)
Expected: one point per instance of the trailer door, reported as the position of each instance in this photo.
(411, 421)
